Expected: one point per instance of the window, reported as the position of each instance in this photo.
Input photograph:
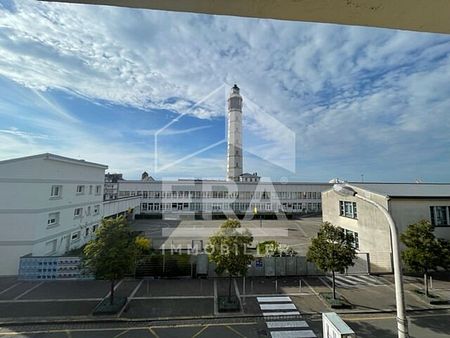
(440, 215)
(86, 232)
(94, 228)
(355, 237)
(75, 236)
(348, 209)
(96, 209)
(98, 189)
(88, 211)
(53, 219)
(78, 212)
(90, 190)
(144, 206)
(56, 191)
(51, 246)
(80, 189)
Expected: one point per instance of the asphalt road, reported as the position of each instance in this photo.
(422, 325)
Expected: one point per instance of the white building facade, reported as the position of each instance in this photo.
(207, 198)
(49, 205)
(407, 203)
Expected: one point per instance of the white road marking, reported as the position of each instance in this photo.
(130, 297)
(28, 291)
(293, 334)
(11, 287)
(285, 313)
(277, 306)
(287, 324)
(273, 299)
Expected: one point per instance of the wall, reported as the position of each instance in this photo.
(25, 204)
(406, 211)
(371, 226)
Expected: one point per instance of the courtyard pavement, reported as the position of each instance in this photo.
(180, 298)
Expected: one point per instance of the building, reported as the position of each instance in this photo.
(111, 186)
(210, 198)
(234, 148)
(241, 194)
(49, 204)
(406, 202)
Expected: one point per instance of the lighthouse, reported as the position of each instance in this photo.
(234, 149)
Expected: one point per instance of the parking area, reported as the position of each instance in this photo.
(173, 298)
(165, 233)
(229, 329)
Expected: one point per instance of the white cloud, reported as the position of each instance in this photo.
(350, 93)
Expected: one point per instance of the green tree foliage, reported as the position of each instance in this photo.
(332, 250)
(143, 245)
(267, 248)
(272, 248)
(423, 251)
(228, 250)
(112, 253)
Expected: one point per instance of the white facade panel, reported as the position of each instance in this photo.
(38, 199)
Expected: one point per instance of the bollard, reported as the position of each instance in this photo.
(431, 283)
(300, 285)
(276, 285)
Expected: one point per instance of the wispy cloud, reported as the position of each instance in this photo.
(169, 131)
(360, 100)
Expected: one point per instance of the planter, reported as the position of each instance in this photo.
(105, 308)
(228, 304)
(432, 298)
(338, 303)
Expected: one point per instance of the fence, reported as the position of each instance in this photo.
(179, 265)
(51, 268)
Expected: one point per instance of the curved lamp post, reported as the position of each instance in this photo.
(402, 323)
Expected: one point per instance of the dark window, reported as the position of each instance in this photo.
(348, 209)
(440, 215)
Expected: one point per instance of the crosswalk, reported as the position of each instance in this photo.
(283, 318)
(353, 281)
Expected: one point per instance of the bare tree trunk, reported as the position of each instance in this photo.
(229, 288)
(334, 285)
(425, 276)
(111, 296)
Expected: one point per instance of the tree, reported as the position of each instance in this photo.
(228, 249)
(423, 251)
(267, 248)
(112, 253)
(332, 250)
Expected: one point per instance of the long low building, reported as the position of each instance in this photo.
(210, 198)
(407, 203)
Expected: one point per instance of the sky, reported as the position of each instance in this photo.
(146, 90)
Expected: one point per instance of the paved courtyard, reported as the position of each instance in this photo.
(188, 307)
(295, 233)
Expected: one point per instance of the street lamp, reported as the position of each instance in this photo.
(255, 212)
(402, 323)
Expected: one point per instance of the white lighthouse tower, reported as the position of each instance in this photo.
(234, 150)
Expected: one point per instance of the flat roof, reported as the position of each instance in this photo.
(338, 323)
(194, 181)
(53, 157)
(406, 189)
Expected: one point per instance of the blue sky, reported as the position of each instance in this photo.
(320, 101)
